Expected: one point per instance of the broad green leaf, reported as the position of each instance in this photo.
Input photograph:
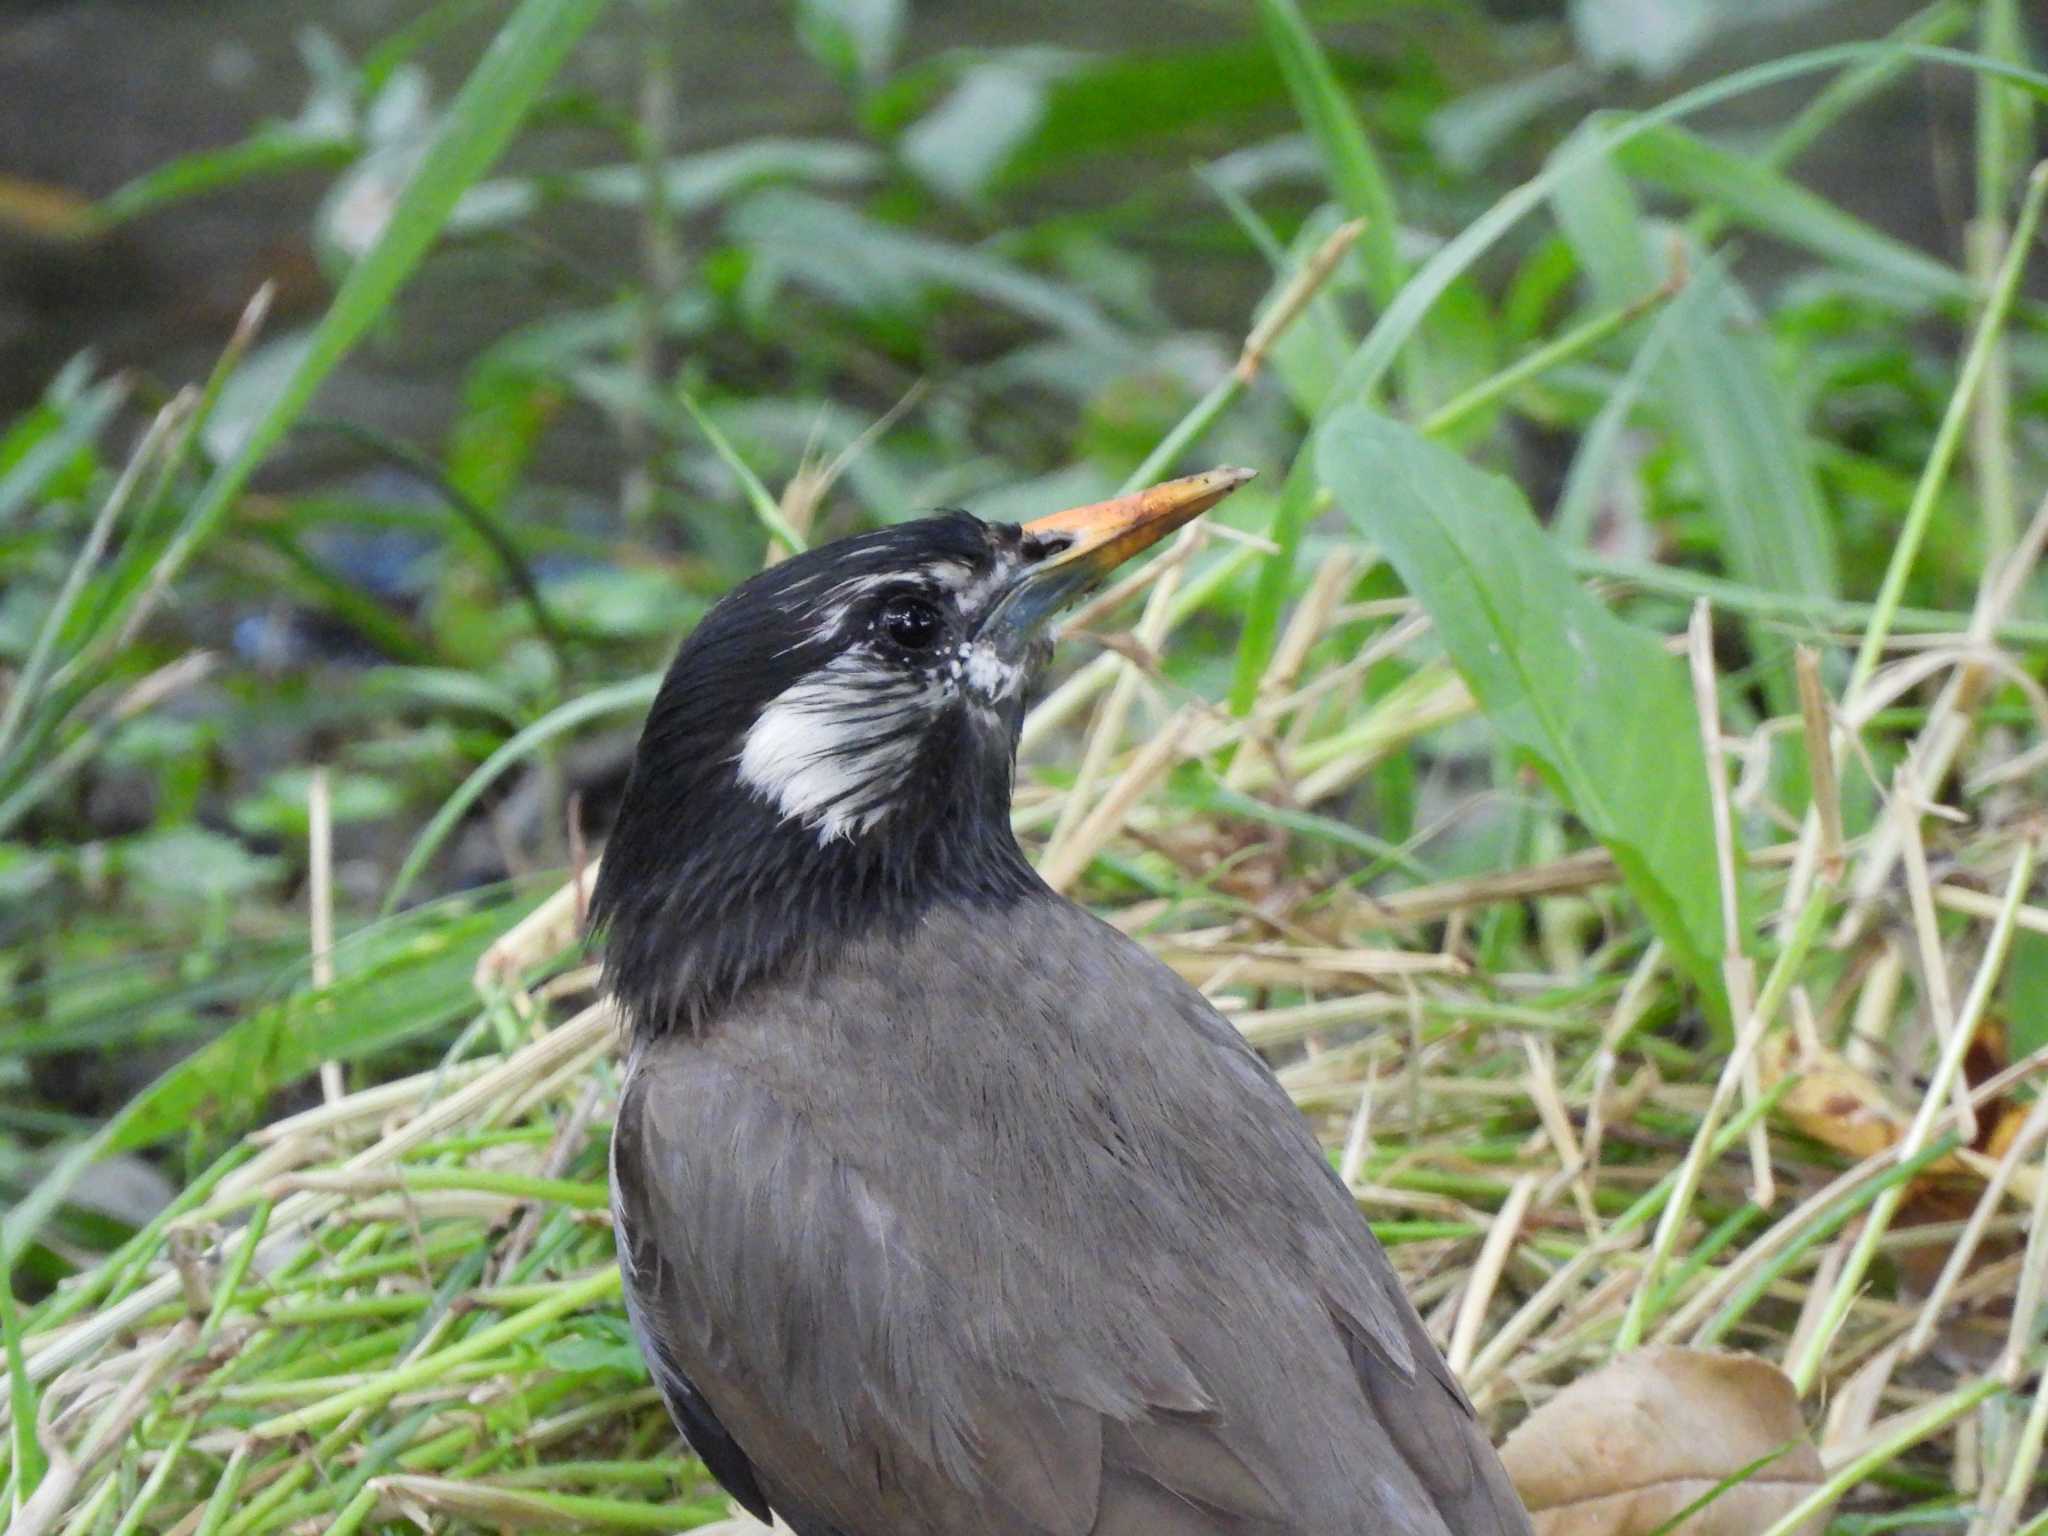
(50, 449)
(689, 183)
(442, 689)
(1104, 103)
(504, 413)
(864, 263)
(964, 143)
(192, 864)
(1593, 702)
(855, 39)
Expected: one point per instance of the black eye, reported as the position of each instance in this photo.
(910, 622)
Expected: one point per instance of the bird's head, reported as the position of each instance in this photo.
(833, 746)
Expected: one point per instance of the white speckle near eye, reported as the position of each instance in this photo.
(833, 749)
(988, 674)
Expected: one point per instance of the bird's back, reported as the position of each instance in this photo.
(996, 1225)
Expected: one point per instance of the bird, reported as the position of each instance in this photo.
(942, 1207)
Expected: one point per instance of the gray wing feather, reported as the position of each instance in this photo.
(795, 1301)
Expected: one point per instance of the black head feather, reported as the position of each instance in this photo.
(707, 883)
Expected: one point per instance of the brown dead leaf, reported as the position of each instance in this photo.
(42, 211)
(1846, 1109)
(1620, 1452)
(1832, 1102)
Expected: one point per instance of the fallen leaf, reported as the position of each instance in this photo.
(1832, 1102)
(1844, 1108)
(1623, 1451)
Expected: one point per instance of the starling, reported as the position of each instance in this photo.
(942, 1207)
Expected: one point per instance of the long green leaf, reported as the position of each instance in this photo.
(29, 1462)
(271, 151)
(1771, 203)
(1269, 594)
(1716, 393)
(1595, 703)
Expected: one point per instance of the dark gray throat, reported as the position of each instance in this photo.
(692, 910)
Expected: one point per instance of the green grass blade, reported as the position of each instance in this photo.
(2005, 117)
(520, 61)
(564, 1299)
(1948, 437)
(1276, 578)
(620, 698)
(25, 479)
(27, 688)
(276, 150)
(1738, 428)
(1594, 702)
(1717, 392)
(419, 978)
(1397, 325)
(1764, 200)
(26, 1450)
(1860, 83)
(1355, 173)
(767, 511)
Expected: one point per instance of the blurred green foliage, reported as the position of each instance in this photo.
(999, 280)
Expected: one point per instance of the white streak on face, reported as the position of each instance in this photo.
(1001, 571)
(832, 750)
(950, 574)
(841, 599)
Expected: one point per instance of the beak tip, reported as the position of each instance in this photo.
(1211, 486)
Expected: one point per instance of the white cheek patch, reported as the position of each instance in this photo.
(833, 750)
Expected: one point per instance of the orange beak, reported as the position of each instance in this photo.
(1105, 534)
(1084, 544)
